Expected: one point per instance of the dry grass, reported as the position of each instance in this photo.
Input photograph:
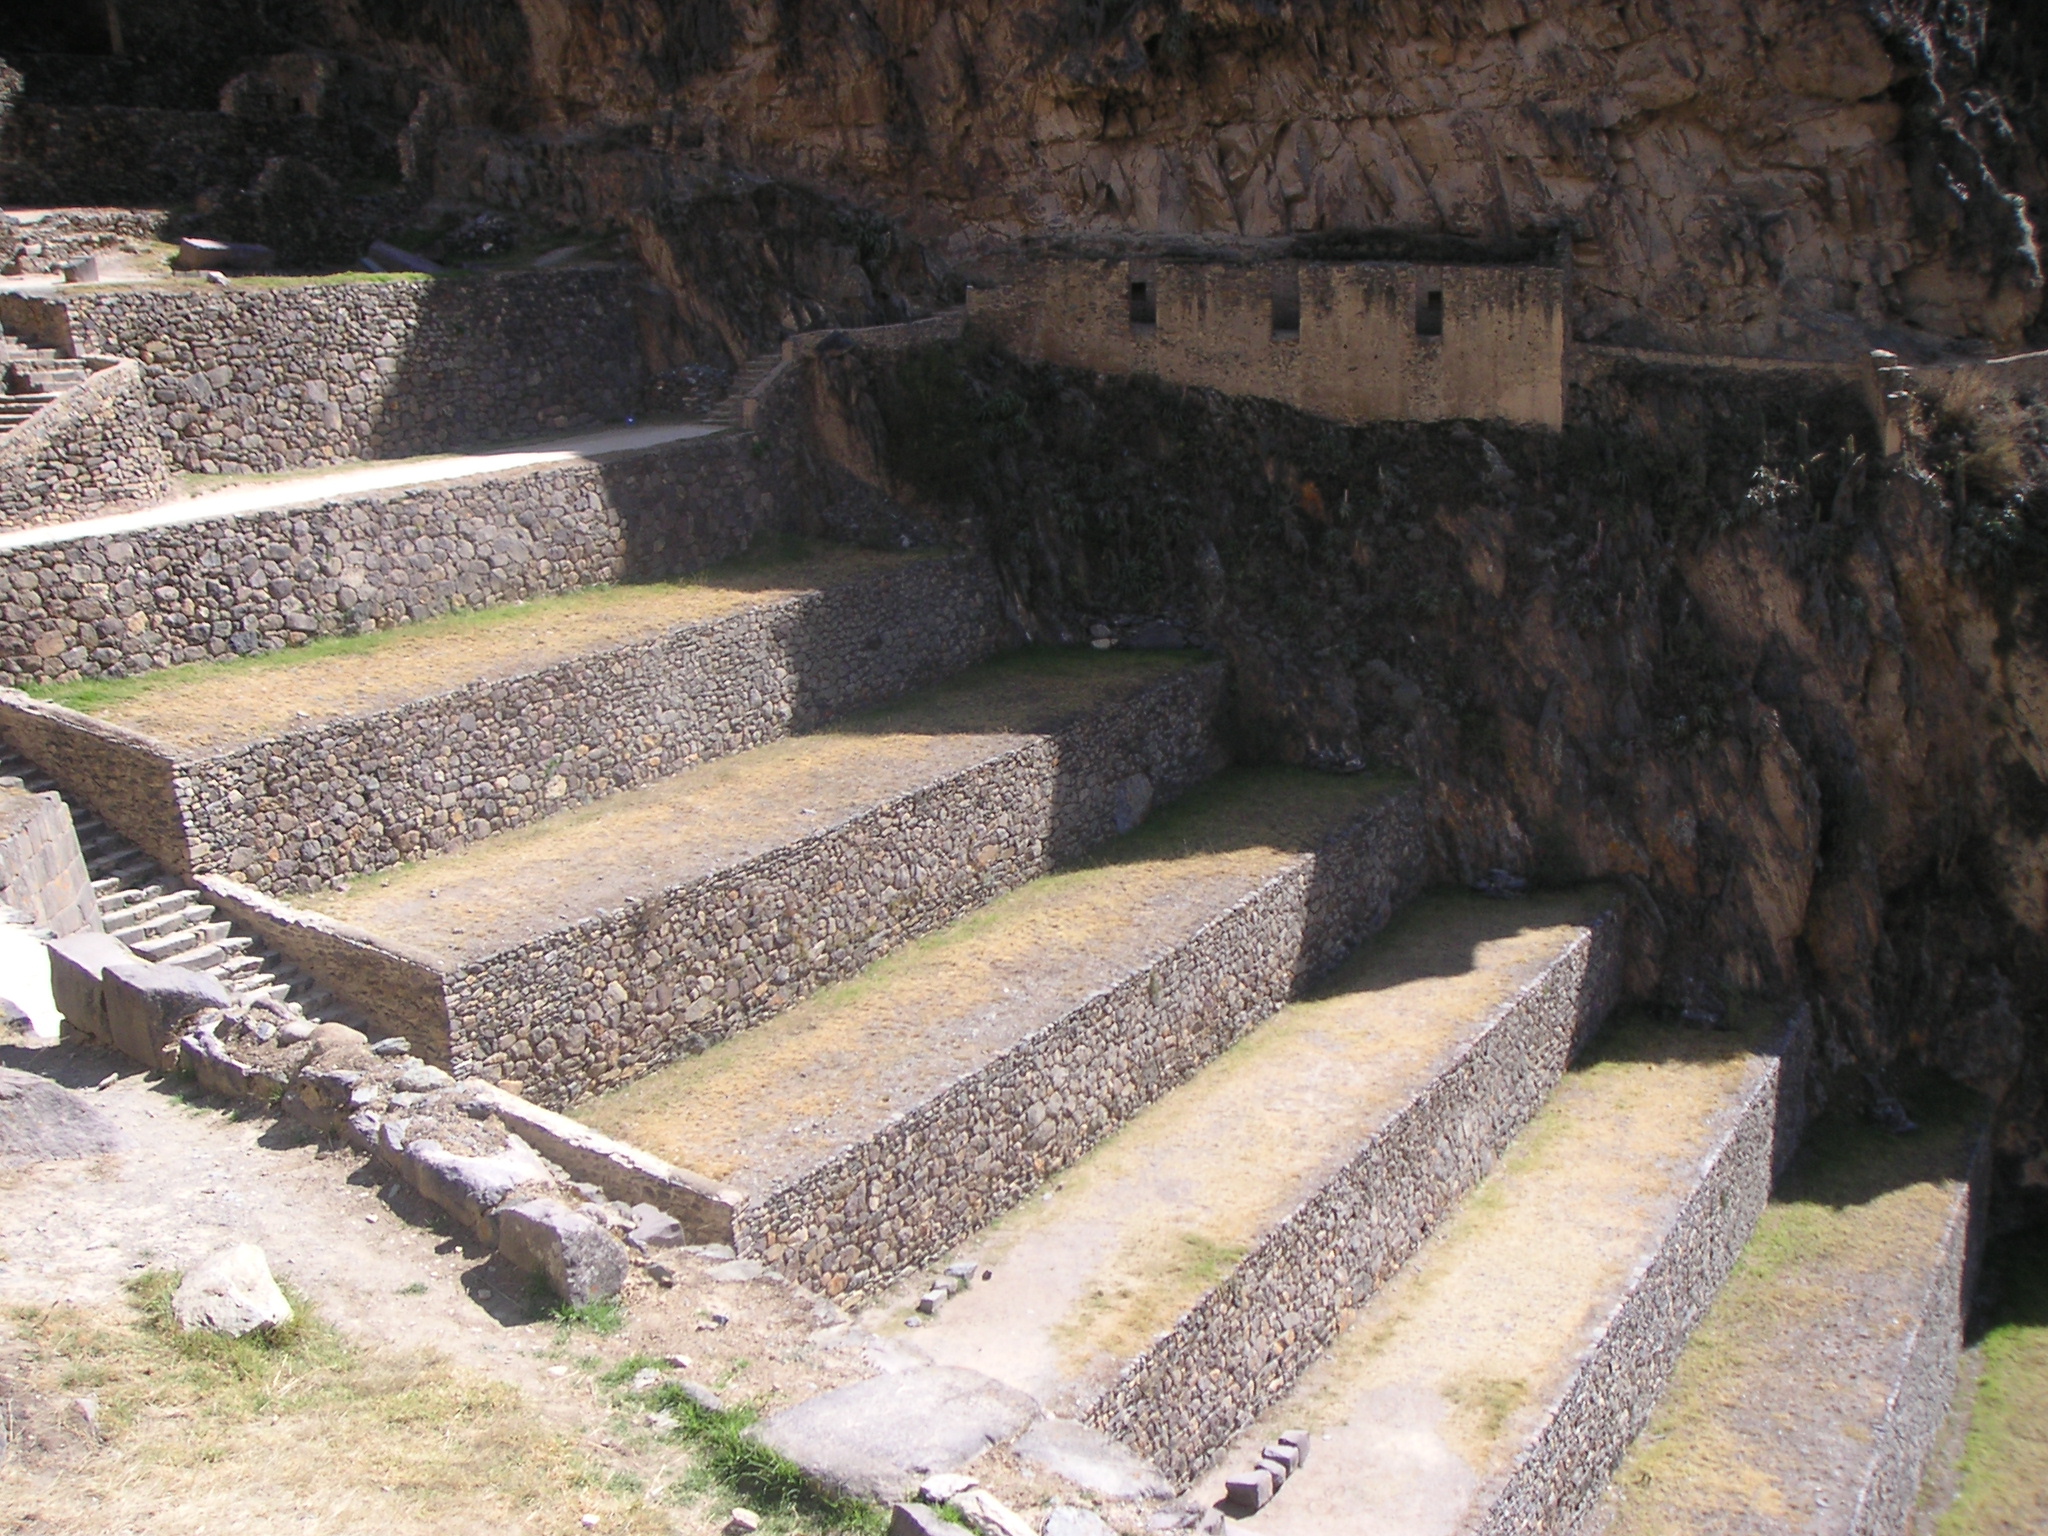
(2003, 1483)
(1988, 420)
(1795, 1354)
(302, 1434)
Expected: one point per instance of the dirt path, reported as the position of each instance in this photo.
(192, 1178)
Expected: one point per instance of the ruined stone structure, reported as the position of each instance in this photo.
(1353, 341)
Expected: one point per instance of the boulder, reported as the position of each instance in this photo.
(878, 1438)
(469, 1187)
(578, 1257)
(919, 1520)
(232, 1293)
(147, 1006)
(43, 1122)
(78, 964)
(987, 1515)
(197, 255)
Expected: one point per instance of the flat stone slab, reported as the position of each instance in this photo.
(1088, 1458)
(1495, 1380)
(42, 1121)
(878, 1439)
(1812, 1391)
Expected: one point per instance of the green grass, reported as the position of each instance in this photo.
(2002, 1488)
(597, 1316)
(732, 1468)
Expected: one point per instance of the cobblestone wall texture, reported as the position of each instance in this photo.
(313, 806)
(1239, 1349)
(114, 604)
(48, 239)
(91, 450)
(257, 377)
(603, 1000)
(951, 1165)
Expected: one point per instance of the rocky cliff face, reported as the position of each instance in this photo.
(1760, 176)
(1703, 643)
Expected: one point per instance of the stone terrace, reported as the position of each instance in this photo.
(305, 768)
(1173, 1286)
(590, 948)
(948, 1081)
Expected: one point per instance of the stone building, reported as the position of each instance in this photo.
(1354, 341)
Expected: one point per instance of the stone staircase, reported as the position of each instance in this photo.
(161, 920)
(32, 377)
(734, 410)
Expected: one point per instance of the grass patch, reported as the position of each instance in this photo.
(600, 1317)
(2002, 1487)
(299, 1429)
(735, 1469)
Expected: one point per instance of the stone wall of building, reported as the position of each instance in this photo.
(598, 1002)
(93, 449)
(42, 872)
(342, 797)
(949, 1166)
(1370, 341)
(1239, 1349)
(261, 375)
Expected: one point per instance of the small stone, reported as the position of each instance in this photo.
(961, 1271)
(679, 1362)
(645, 1380)
(738, 1271)
(744, 1522)
(295, 1031)
(392, 1045)
(421, 1078)
(703, 1396)
(1067, 1520)
(930, 1302)
(945, 1487)
(1250, 1490)
(1282, 1455)
(952, 1285)
(987, 1515)
(662, 1274)
(918, 1520)
(231, 1292)
(1296, 1440)
(662, 1422)
(1278, 1469)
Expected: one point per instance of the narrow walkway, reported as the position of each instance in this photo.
(326, 485)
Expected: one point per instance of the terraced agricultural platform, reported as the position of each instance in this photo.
(1178, 1279)
(579, 952)
(946, 1082)
(301, 768)
(1813, 1389)
(1495, 1382)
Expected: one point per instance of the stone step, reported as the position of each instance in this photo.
(438, 736)
(1174, 1283)
(1812, 1391)
(948, 1081)
(1496, 1381)
(591, 948)
(165, 914)
(180, 943)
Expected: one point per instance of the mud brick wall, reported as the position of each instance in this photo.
(1239, 1349)
(955, 1163)
(42, 872)
(257, 377)
(91, 450)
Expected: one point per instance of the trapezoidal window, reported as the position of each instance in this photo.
(1287, 303)
(1429, 314)
(1144, 293)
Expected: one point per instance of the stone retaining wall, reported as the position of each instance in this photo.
(1239, 1349)
(953, 1164)
(42, 872)
(597, 1003)
(312, 806)
(258, 378)
(48, 239)
(109, 604)
(92, 449)
(1623, 1372)
(1919, 1400)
